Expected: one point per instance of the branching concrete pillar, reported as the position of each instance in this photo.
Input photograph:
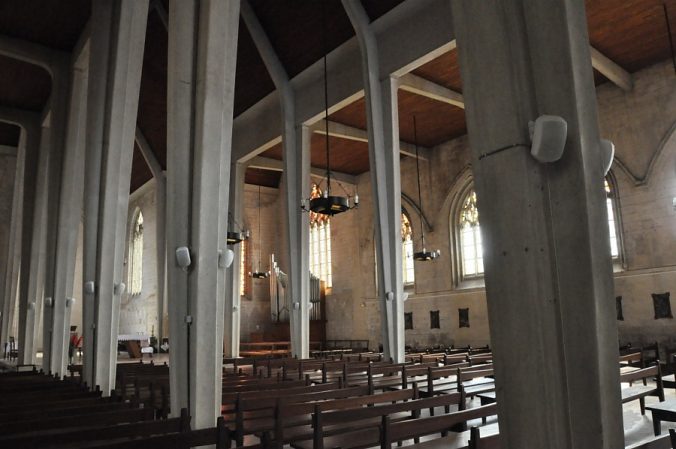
(548, 273)
(383, 130)
(116, 55)
(201, 68)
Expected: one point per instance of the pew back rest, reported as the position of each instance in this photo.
(403, 430)
(333, 417)
(652, 371)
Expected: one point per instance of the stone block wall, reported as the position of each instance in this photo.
(641, 123)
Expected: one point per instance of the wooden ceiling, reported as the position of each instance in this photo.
(633, 33)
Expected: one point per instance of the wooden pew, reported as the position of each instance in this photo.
(125, 415)
(360, 427)
(392, 432)
(476, 441)
(640, 392)
(256, 414)
(59, 437)
(293, 418)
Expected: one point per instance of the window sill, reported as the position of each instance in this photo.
(477, 283)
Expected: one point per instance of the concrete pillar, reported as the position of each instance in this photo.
(548, 274)
(12, 270)
(33, 244)
(231, 323)
(201, 71)
(116, 56)
(58, 225)
(296, 141)
(296, 149)
(383, 130)
(69, 215)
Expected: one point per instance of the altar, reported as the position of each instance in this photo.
(134, 343)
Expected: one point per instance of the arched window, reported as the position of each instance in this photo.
(407, 249)
(320, 243)
(612, 221)
(471, 250)
(136, 256)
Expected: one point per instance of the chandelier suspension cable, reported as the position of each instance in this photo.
(417, 169)
(326, 101)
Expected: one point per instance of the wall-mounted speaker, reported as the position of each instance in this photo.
(548, 137)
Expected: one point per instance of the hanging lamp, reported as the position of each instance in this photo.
(234, 237)
(326, 203)
(424, 255)
(258, 274)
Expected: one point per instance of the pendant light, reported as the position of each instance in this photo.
(424, 255)
(259, 274)
(326, 203)
(235, 233)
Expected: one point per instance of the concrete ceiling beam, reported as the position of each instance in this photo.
(267, 163)
(611, 70)
(421, 86)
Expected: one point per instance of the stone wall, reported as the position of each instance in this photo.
(641, 123)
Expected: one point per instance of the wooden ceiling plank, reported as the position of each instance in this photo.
(611, 70)
(420, 86)
(267, 163)
(351, 133)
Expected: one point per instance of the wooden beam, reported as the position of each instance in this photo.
(267, 163)
(351, 133)
(420, 86)
(611, 70)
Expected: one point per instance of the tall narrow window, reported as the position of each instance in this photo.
(136, 256)
(243, 253)
(320, 243)
(612, 223)
(470, 238)
(407, 250)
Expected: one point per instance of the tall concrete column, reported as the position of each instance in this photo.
(33, 236)
(296, 141)
(201, 70)
(11, 274)
(383, 130)
(548, 274)
(296, 150)
(231, 317)
(23, 199)
(56, 320)
(69, 215)
(116, 56)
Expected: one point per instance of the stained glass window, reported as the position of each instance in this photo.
(320, 243)
(470, 238)
(136, 256)
(407, 250)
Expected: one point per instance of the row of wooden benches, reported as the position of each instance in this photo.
(39, 411)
